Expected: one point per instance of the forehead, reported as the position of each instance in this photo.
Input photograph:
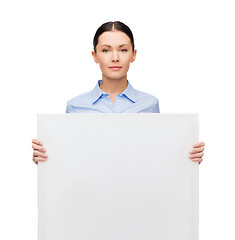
(113, 38)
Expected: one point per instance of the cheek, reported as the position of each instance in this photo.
(103, 60)
(127, 61)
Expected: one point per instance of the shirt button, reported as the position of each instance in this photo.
(120, 94)
(117, 100)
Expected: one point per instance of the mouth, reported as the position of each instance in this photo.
(115, 68)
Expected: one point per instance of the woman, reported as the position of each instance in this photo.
(114, 50)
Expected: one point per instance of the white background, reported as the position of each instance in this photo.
(185, 57)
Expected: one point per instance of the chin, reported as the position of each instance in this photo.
(115, 76)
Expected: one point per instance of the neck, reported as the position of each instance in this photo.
(113, 86)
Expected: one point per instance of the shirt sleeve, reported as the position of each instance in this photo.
(68, 108)
(155, 107)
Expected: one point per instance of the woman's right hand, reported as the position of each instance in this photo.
(39, 153)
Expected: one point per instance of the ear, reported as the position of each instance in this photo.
(95, 57)
(133, 56)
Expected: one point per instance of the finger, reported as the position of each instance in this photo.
(196, 155)
(38, 159)
(200, 144)
(34, 160)
(197, 150)
(36, 141)
(39, 154)
(199, 160)
(38, 147)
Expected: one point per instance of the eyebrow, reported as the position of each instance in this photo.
(110, 46)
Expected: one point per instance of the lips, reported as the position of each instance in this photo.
(115, 67)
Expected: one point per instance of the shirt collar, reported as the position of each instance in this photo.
(129, 92)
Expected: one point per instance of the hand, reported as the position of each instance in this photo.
(39, 153)
(197, 152)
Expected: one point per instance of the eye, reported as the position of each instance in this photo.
(124, 50)
(105, 50)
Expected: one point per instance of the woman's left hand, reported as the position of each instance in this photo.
(197, 152)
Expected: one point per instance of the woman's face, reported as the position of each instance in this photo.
(114, 49)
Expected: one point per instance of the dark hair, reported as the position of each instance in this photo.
(112, 26)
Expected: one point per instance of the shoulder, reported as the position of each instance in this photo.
(143, 96)
(83, 98)
(78, 103)
(149, 102)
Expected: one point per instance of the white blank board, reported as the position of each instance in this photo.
(118, 177)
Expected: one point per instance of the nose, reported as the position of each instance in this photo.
(115, 56)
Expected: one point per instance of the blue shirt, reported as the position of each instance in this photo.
(129, 101)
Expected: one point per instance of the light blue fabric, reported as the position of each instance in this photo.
(129, 101)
